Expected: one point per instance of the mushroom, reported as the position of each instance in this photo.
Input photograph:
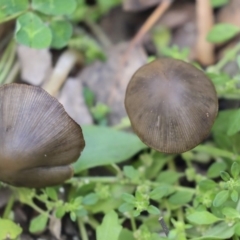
(171, 105)
(38, 140)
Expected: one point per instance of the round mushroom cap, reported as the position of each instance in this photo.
(171, 105)
(38, 140)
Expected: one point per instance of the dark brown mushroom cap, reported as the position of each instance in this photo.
(171, 105)
(38, 140)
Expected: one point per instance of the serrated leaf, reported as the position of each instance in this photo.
(215, 169)
(230, 212)
(54, 7)
(106, 146)
(128, 198)
(235, 169)
(160, 192)
(180, 197)
(225, 176)
(131, 172)
(12, 8)
(219, 231)
(61, 33)
(207, 184)
(9, 229)
(32, 32)
(220, 198)
(168, 176)
(126, 235)
(90, 199)
(233, 124)
(110, 227)
(234, 196)
(202, 218)
(38, 223)
(153, 210)
(222, 32)
(237, 229)
(52, 193)
(126, 207)
(73, 216)
(60, 212)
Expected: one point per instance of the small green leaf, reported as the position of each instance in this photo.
(220, 230)
(110, 227)
(207, 184)
(126, 207)
(234, 124)
(220, 198)
(153, 210)
(38, 223)
(126, 235)
(73, 216)
(60, 212)
(169, 177)
(52, 193)
(234, 195)
(32, 32)
(225, 176)
(160, 192)
(222, 32)
(90, 199)
(181, 197)
(9, 229)
(61, 33)
(230, 212)
(202, 218)
(54, 7)
(215, 169)
(105, 6)
(235, 169)
(128, 198)
(108, 146)
(131, 172)
(237, 229)
(218, 3)
(12, 8)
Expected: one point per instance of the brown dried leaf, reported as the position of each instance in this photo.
(36, 65)
(139, 5)
(55, 226)
(71, 97)
(108, 80)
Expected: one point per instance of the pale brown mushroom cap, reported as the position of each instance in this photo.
(171, 105)
(38, 140)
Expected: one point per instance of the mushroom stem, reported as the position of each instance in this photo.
(205, 21)
(65, 63)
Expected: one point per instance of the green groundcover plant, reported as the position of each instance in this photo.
(191, 203)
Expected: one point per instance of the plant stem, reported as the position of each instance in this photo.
(116, 179)
(98, 32)
(13, 73)
(7, 61)
(82, 229)
(216, 152)
(133, 223)
(229, 55)
(92, 222)
(9, 206)
(35, 207)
